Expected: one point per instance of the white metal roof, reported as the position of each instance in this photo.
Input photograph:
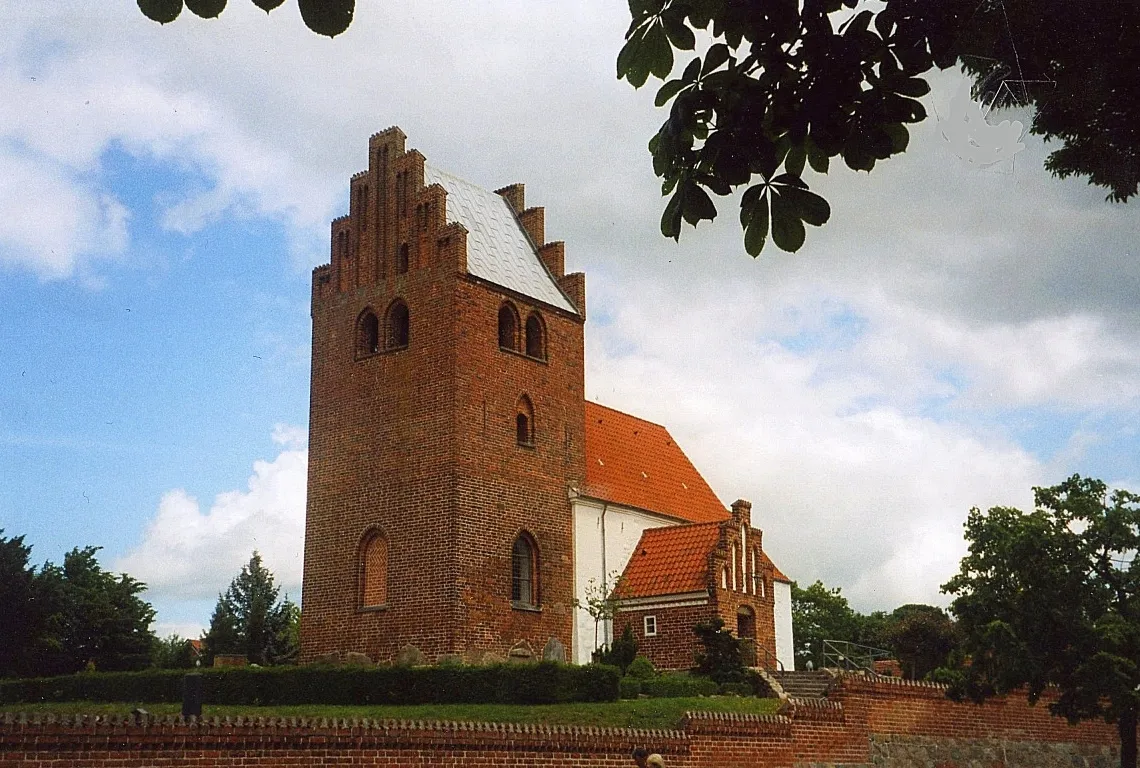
(498, 248)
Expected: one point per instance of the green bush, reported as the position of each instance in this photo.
(543, 683)
(675, 686)
(737, 689)
(630, 687)
(641, 668)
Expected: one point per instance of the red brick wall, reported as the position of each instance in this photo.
(675, 644)
(838, 731)
(419, 443)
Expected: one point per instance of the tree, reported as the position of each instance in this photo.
(23, 621)
(250, 619)
(621, 652)
(601, 602)
(325, 17)
(1052, 598)
(173, 652)
(922, 637)
(819, 614)
(781, 86)
(92, 618)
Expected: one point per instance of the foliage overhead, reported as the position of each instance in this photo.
(325, 17)
(1052, 598)
(251, 619)
(781, 85)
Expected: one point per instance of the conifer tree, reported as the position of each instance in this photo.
(251, 619)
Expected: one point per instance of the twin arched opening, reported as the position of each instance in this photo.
(396, 330)
(529, 338)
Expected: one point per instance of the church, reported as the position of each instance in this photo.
(463, 496)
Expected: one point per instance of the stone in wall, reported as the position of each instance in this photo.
(410, 656)
(554, 651)
(925, 752)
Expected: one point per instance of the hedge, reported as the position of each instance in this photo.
(675, 686)
(542, 683)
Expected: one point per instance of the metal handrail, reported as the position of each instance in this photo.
(843, 654)
(766, 659)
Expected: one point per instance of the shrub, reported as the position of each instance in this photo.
(546, 682)
(675, 686)
(622, 653)
(630, 687)
(720, 658)
(641, 668)
(736, 689)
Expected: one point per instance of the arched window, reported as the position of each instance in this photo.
(524, 571)
(397, 326)
(508, 327)
(535, 337)
(402, 260)
(374, 570)
(524, 422)
(367, 334)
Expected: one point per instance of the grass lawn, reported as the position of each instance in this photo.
(639, 713)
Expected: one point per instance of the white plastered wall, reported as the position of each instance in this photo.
(785, 647)
(623, 527)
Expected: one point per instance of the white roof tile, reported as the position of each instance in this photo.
(498, 248)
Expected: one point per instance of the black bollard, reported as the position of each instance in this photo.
(192, 695)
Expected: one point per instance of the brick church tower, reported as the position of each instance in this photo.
(446, 420)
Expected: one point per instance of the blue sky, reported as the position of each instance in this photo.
(951, 338)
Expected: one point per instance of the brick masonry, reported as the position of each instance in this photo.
(880, 724)
(417, 444)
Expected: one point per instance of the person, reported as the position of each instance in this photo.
(643, 759)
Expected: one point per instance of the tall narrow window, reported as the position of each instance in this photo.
(374, 571)
(367, 334)
(508, 327)
(364, 208)
(524, 422)
(524, 571)
(535, 343)
(402, 260)
(397, 325)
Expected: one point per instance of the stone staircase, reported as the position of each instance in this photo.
(803, 684)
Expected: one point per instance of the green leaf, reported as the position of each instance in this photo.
(787, 229)
(899, 135)
(679, 33)
(668, 91)
(658, 52)
(714, 57)
(206, 9)
(162, 11)
(809, 206)
(671, 218)
(698, 205)
(908, 86)
(327, 17)
(754, 219)
(794, 162)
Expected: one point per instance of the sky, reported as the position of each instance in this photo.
(954, 336)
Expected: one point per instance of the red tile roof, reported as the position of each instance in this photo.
(670, 561)
(777, 574)
(636, 463)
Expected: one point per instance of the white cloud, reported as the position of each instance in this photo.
(189, 554)
(863, 494)
(290, 435)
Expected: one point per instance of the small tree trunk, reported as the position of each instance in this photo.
(1126, 726)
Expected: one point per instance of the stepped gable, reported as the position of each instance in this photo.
(777, 574)
(636, 463)
(499, 250)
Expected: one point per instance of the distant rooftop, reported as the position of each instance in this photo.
(498, 248)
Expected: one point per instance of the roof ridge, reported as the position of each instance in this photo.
(630, 415)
